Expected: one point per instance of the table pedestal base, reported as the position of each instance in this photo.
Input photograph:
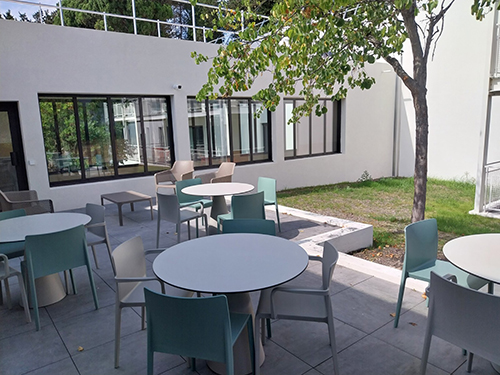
(49, 290)
(240, 303)
(219, 207)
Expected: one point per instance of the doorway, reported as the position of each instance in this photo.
(12, 165)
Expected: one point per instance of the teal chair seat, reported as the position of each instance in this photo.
(421, 246)
(12, 249)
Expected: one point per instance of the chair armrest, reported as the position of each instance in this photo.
(135, 279)
(315, 257)
(34, 206)
(95, 225)
(227, 178)
(154, 251)
(187, 175)
(5, 260)
(317, 292)
(22, 195)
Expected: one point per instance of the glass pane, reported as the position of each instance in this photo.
(198, 132)
(260, 133)
(317, 133)
(8, 182)
(240, 130)
(60, 139)
(330, 126)
(220, 131)
(302, 133)
(289, 136)
(95, 135)
(128, 136)
(157, 135)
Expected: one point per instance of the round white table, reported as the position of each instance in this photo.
(49, 288)
(232, 264)
(217, 191)
(479, 255)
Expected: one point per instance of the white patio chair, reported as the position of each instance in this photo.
(7, 272)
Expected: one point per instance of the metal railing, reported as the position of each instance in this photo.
(192, 28)
(492, 187)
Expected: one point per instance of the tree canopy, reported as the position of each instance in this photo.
(315, 47)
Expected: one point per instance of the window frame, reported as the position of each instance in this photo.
(209, 121)
(108, 98)
(336, 117)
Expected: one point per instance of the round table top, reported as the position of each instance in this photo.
(17, 228)
(478, 254)
(231, 263)
(218, 189)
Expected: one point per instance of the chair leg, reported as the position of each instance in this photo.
(118, 318)
(95, 256)
(92, 286)
(143, 317)
(491, 287)
(24, 298)
(189, 229)
(206, 224)
(72, 281)
(197, 229)
(333, 342)
(258, 337)
(469, 362)
(108, 245)
(400, 300)
(158, 232)
(7, 294)
(178, 229)
(268, 326)
(278, 217)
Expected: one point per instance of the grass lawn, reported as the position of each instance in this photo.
(386, 204)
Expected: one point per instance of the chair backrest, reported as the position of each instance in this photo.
(268, 186)
(421, 243)
(249, 206)
(96, 212)
(11, 214)
(168, 207)
(181, 169)
(191, 327)
(226, 168)
(464, 317)
(330, 258)
(186, 198)
(129, 261)
(261, 226)
(56, 252)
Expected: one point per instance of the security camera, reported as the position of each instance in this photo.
(177, 87)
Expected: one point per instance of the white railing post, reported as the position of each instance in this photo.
(242, 20)
(159, 29)
(105, 22)
(41, 14)
(133, 15)
(193, 18)
(61, 14)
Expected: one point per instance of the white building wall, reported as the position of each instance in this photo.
(52, 59)
(457, 97)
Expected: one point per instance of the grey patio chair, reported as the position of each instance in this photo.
(181, 170)
(291, 301)
(131, 278)
(7, 272)
(464, 317)
(170, 210)
(96, 230)
(223, 174)
(26, 199)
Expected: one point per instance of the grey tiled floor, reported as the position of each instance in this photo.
(367, 343)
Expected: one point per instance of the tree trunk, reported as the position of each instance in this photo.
(421, 142)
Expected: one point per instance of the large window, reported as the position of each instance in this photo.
(90, 138)
(227, 130)
(312, 135)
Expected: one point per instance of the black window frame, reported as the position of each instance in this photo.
(336, 117)
(210, 124)
(109, 100)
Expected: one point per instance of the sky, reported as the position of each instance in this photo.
(15, 8)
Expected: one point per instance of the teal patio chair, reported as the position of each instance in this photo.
(46, 254)
(12, 249)
(261, 226)
(170, 210)
(201, 328)
(268, 186)
(194, 201)
(248, 206)
(421, 246)
(464, 317)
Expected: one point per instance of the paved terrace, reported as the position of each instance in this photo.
(76, 339)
